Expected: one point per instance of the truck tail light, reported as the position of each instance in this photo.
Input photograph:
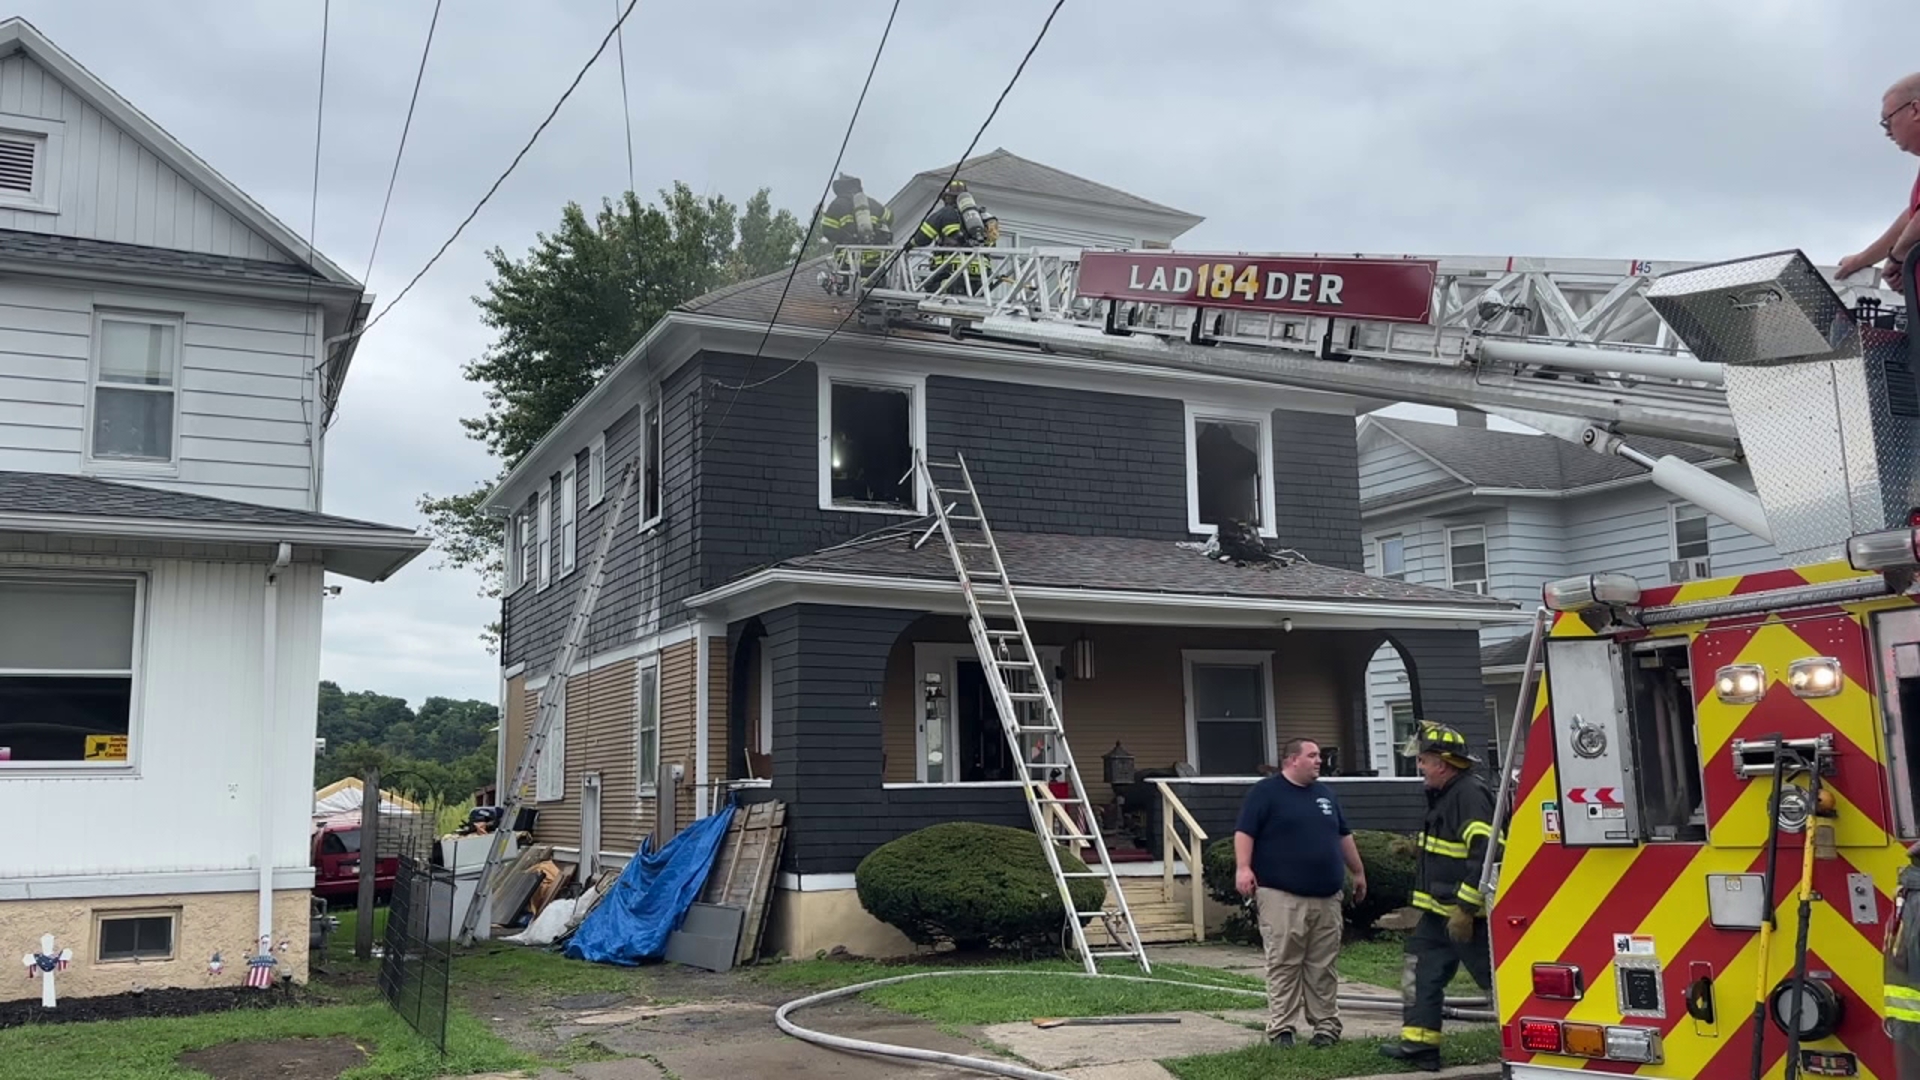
(1540, 1036)
(1585, 1040)
(1557, 982)
(1632, 1044)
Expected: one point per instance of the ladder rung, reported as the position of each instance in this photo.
(1085, 874)
(1038, 730)
(1104, 954)
(943, 465)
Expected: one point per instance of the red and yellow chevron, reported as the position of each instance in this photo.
(1556, 904)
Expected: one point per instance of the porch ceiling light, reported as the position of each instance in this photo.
(1740, 684)
(1589, 591)
(1814, 677)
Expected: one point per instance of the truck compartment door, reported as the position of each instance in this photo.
(1599, 796)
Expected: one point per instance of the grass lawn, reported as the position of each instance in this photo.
(1355, 1057)
(1380, 961)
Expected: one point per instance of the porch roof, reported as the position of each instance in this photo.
(1102, 578)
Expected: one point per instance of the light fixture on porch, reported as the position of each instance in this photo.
(1082, 650)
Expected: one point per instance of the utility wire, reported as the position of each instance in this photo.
(801, 255)
(401, 152)
(1058, 4)
(475, 212)
(625, 108)
(313, 209)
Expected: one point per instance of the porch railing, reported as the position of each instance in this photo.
(1191, 849)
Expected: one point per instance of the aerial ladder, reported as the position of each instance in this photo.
(1593, 351)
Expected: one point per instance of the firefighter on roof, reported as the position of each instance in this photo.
(853, 218)
(957, 222)
(1453, 921)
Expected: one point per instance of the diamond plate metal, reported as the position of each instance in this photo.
(1769, 309)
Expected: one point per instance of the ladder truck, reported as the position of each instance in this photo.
(1707, 812)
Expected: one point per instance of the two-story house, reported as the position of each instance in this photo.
(170, 354)
(1501, 513)
(767, 626)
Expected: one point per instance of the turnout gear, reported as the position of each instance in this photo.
(854, 219)
(958, 222)
(1451, 847)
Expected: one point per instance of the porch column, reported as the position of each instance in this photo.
(829, 670)
(1444, 673)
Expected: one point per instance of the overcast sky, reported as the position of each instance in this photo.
(1694, 130)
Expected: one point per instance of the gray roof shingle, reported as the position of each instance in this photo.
(1509, 653)
(56, 494)
(1002, 168)
(111, 255)
(1050, 560)
(1512, 459)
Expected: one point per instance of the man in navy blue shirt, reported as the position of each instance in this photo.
(1293, 852)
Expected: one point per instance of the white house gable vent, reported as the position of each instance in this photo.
(17, 160)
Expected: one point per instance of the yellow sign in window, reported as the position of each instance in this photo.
(106, 748)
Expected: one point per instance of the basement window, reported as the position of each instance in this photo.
(872, 428)
(1229, 471)
(135, 936)
(67, 659)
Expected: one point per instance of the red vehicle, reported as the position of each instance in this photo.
(336, 864)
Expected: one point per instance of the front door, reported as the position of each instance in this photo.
(966, 744)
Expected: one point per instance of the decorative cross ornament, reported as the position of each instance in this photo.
(44, 964)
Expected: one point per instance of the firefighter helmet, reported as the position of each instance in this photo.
(1439, 739)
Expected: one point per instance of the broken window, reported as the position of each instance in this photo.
(871, 444)
(67, 654)
(1227, 472)
(650, 454)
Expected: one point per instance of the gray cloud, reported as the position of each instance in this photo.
(1633, 130)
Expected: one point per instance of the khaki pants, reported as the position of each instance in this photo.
(1302, 939)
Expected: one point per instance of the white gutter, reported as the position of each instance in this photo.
(929, 591)
(269, 722)
(215, 531)
(701, 695)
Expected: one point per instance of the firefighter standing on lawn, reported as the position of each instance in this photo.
(1453, 921)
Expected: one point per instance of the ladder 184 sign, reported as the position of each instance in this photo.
(1389, 290)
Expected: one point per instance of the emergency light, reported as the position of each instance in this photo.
(1886, 550)
(1588, 591)
(1740, 684)
(1814, 677)
(1557, 982)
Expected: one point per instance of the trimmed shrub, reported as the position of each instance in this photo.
(1390, 878)
(973, 886)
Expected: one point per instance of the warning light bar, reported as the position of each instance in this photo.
(1588, 591)
(1886, 550)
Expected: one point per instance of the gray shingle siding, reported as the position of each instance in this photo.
(1444, 676)
(1316, 482)
(646, 575)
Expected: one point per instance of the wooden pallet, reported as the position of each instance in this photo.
(744, 869)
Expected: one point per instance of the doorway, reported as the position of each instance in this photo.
(965, 744)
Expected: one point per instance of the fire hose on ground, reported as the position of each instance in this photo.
(1455, 1009)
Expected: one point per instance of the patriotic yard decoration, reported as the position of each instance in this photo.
(46, 963)
(260, 966)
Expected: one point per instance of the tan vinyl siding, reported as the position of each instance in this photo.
(717, 668)
(1137, 696)
(513, 731)
(678, 700)
(599, 737)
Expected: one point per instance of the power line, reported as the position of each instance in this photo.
(1058, 4)
(418, 76)
(475, 212)
(800, 255)
(313, 209)
(625, 108)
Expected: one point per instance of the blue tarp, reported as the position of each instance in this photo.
(651, 896)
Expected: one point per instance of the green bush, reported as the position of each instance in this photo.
(972, 885)
(1389, 885)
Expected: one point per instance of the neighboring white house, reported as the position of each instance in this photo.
(1502, 513)
(169, 358)
(1039, 205)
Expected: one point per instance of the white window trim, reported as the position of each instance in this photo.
(945, 658)
(550, 774)
(102, 917)
(136, 735)
(652, 455)
(1198, 411)
(569, 518)
(644, 789)
(543, 506)
(853, 375)
(1395, 760)
(1673, 529)
(132, 466)
(597, 470)
(529, 546)
(49, 137)
(1486, 559)
(1380, 554)
(1262, 657)
(510, 555)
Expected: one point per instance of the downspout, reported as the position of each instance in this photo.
(269, 699)
(702, 794)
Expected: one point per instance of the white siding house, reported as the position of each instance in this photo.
(164, 390)
(1503, 513)
(1039, 205)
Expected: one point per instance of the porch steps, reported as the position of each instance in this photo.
(1160, 921)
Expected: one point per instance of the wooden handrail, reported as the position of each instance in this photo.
(1191, 849)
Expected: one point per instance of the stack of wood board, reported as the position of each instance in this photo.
(744, 870)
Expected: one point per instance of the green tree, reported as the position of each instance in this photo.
(566, 312)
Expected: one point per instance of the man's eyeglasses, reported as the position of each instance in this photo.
(1886, 122)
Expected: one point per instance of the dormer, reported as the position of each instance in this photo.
(1039, 205)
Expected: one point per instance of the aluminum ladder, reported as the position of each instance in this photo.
(1017, 679)
(551, 697)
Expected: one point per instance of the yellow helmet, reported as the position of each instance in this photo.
(1432, 738)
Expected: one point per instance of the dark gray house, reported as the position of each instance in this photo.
(766, 626)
